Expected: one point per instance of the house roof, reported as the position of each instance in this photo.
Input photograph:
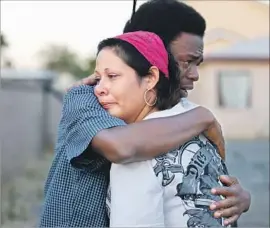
(248, 49)
(263, 2)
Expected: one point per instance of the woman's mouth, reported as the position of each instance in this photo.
(107, 105)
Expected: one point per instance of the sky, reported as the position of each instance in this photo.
(32, 25)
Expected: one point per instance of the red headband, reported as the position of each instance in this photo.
(150, 46)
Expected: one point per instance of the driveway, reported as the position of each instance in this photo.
(249, 161)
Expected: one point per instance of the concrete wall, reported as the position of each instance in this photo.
(28, 123)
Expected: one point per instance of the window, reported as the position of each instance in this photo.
(234, 89)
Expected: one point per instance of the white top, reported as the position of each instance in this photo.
(172, 190)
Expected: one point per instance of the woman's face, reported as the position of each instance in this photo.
(119, 90)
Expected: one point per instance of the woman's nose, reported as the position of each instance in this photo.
(101, 88)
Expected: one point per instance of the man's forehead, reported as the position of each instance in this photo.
(188, 41)
(188, 45)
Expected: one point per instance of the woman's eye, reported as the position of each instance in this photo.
(97, 79)
(112, 75)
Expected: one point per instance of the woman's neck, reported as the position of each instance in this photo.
(145, 112)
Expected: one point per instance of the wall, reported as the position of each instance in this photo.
(29, 119)
(249, 19)
(237, 124)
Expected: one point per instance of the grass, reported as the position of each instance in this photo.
(22, 196)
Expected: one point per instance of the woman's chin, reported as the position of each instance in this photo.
(113, 112)
(116, 114)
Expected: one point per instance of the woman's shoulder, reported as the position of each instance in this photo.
(183, 106)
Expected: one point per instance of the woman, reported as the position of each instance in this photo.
(138, 79)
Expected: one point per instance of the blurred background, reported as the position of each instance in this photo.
(47, 45)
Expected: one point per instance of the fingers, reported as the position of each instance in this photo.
(228, 180)
(90, 80)
(232, 206)
(231, 220)
(227, 213)
(231, 212)
(224, 191)
(226, 203)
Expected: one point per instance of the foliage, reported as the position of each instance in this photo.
(4, 43)
(61, 59)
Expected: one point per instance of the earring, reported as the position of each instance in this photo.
(145, 98)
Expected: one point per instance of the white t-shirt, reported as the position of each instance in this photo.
(172, 190)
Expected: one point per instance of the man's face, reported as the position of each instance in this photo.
(188, 52)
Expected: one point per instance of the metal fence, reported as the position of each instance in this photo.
(29, 113)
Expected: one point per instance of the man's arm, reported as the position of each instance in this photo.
(87, 123)
(150, 138)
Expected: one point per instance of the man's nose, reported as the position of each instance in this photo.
(193, 73)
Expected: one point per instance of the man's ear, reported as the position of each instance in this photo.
(153, 77)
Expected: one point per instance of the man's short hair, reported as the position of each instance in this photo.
(166, 18)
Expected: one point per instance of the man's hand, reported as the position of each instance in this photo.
(214, 134)
(236, 201)
(90, 80)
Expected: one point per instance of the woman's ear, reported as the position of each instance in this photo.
(153, 77)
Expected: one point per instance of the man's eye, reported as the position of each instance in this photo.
(184, 64)
(200, 63)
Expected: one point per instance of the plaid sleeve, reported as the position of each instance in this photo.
(83, 118)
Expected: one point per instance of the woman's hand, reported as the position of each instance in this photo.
(237, 200)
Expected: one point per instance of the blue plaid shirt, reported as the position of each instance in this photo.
(76, 187)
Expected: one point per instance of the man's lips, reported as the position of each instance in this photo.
(188, 87)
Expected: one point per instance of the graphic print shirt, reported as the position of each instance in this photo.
(172, 190)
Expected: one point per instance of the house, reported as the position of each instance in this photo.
(234, 80)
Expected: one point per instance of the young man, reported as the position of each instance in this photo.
(182, 29)
(76, 187)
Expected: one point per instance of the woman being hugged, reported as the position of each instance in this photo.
(138, 79)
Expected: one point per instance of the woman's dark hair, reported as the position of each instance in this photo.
(168, 89)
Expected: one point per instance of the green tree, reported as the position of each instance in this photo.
(90, 65)
(4, 43)
(62, 59)
(5, 61)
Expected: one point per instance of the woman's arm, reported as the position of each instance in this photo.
(150, 138)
